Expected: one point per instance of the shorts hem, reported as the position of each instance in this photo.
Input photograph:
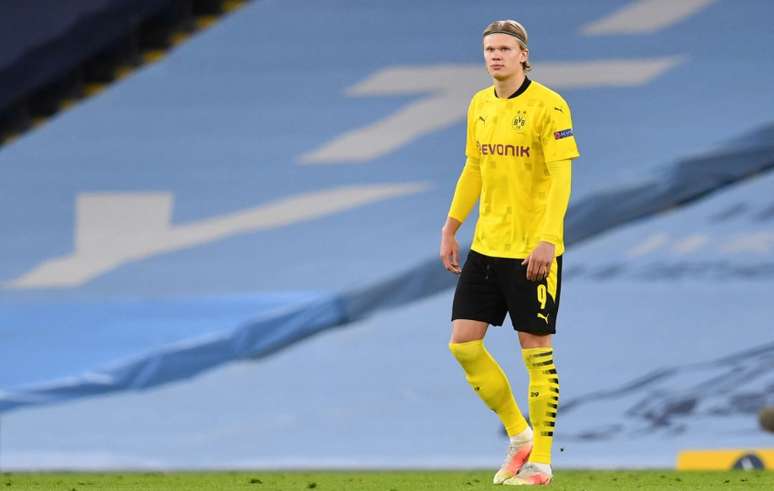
(473, 318)
(536, 332)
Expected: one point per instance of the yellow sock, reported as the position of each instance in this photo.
(543, 400)
(490, 383)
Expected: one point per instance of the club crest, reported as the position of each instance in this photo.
(520, 120)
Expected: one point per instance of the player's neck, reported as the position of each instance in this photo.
(504, 88)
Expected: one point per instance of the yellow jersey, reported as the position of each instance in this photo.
(515, 149)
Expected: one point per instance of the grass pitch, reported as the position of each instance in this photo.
(380, 481)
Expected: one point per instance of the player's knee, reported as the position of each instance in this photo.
(468, 351)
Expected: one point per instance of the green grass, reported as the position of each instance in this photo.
(380, 480)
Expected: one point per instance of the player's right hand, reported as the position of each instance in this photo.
(450, 253)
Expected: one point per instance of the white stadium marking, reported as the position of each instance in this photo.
(652, 243)
(690, 244)
(645, 16)
(450, 88)
(747, 243)
(112, 229)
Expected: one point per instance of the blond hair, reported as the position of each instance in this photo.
(512, 28)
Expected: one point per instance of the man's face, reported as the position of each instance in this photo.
(503, 56)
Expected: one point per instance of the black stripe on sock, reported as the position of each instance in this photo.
(545, 353)
(554, 380)
(551, 414)
(543, 363)
(555, 406)
(547, 433)
(550, 372)
(552, 424)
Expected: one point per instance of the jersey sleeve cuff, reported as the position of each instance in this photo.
(460, 218)
(560, 158)
(550, 238)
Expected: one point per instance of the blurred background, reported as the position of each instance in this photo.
(219, 228)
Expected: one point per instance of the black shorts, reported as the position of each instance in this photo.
(488, 287)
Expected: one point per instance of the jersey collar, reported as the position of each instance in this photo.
(519, 91)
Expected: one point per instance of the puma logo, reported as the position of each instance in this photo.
(544, 317)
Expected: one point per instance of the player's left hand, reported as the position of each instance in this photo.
(539, 261)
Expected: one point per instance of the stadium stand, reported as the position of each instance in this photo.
(254, 188)
(53, 54)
